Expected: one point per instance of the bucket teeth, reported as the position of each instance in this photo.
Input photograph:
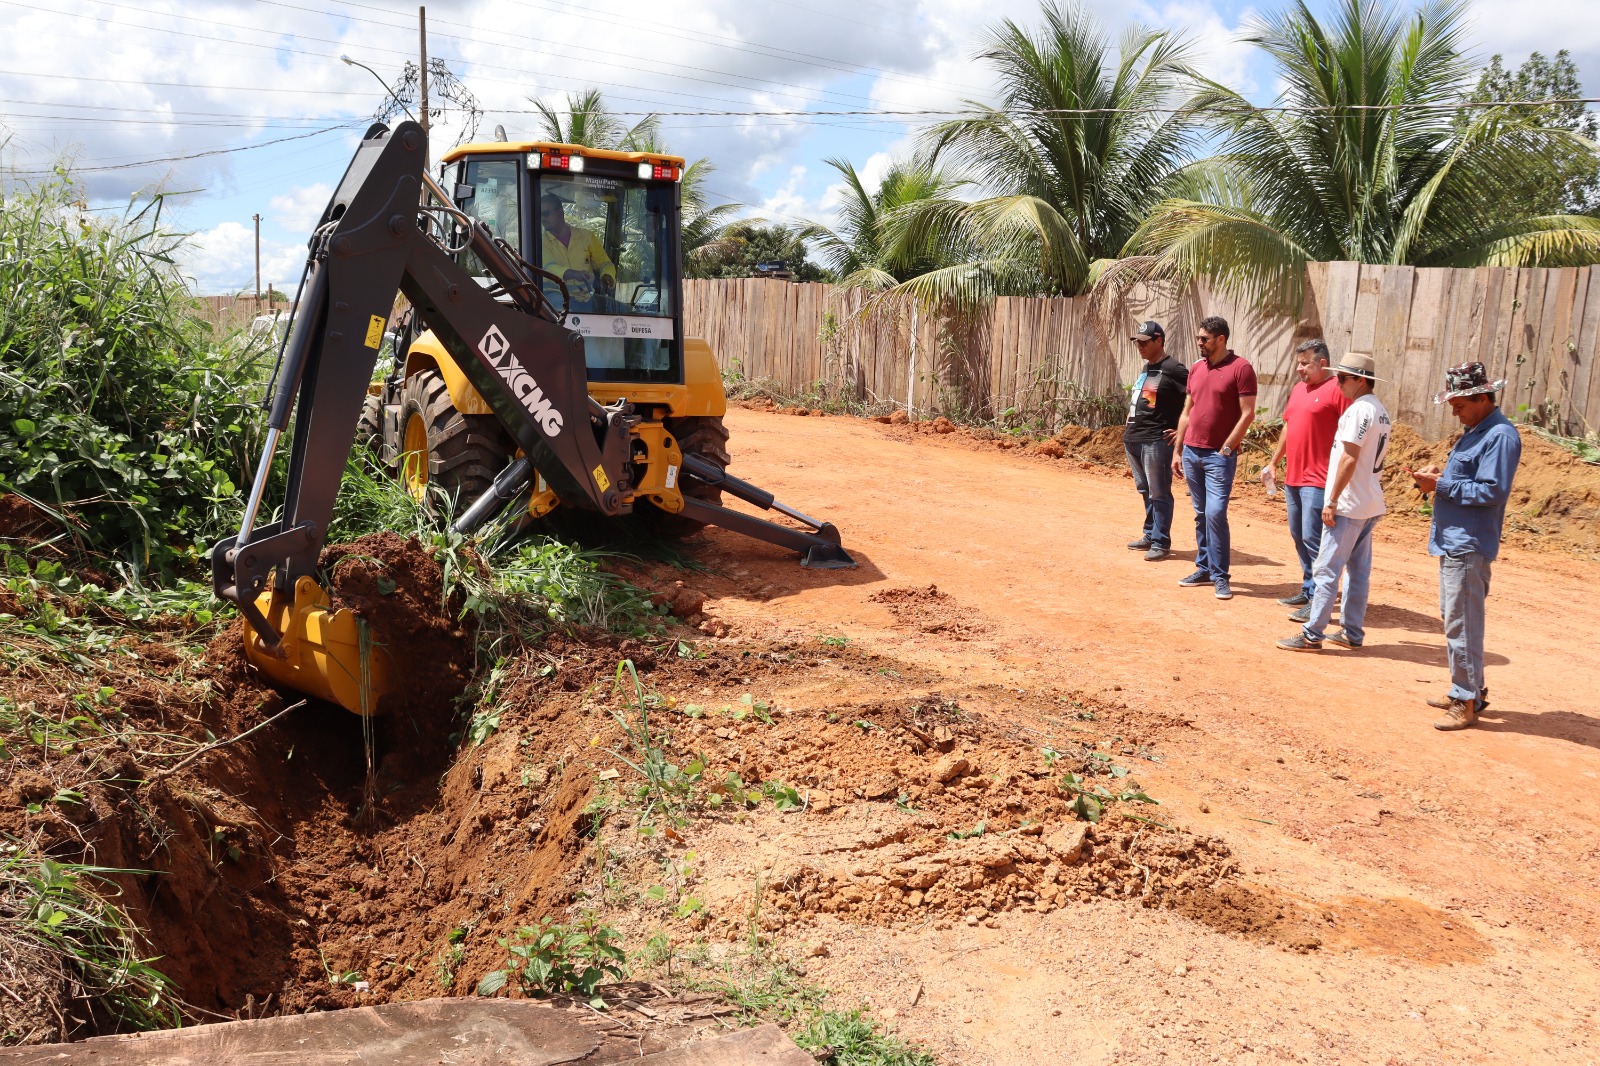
(324, 653)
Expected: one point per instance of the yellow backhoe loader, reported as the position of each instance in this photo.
(543, 364)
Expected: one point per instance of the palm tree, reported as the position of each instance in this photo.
(590, 123)
(1076, 152)
(866, 248)
(1367, 161)
(701, 226)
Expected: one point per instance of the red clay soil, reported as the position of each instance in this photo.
(1325, 879)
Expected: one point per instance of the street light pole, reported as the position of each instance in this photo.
(257, 218)
(347, 61)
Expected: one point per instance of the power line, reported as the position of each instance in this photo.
(191, 155)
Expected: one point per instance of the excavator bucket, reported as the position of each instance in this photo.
(324, 653)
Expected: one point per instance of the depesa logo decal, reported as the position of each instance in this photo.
(497, 350)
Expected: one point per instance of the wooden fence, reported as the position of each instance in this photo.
(1052, 358)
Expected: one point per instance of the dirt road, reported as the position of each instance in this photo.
(1463, 866)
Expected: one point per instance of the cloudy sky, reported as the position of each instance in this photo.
(242, 107)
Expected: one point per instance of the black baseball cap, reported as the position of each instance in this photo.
(1149, 330)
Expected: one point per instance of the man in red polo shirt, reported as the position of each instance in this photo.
(1216, 415)
(1309, 423)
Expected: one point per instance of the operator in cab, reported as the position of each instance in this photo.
(575, 255)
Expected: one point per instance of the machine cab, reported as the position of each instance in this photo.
(604, 222)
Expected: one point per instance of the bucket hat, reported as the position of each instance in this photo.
(1468, 379)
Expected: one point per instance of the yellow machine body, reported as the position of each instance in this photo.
(323, 652)
(701, 394)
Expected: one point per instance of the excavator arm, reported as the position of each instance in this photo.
(373, 240)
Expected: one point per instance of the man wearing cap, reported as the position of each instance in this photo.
(1153, 412)
(575, 255)
(1310, 422)
(1469, 510)
(1353, 504)
(1216, 415)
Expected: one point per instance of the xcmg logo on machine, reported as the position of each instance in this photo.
(497, 350)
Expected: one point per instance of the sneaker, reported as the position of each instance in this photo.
(1299, 599)
(1343, 640)
(1224, 590)
(1444, 702)
(1156, 553)
(1196, 579)
(1303, 615)
(1142, 544)
(1298, 642)
(1459, 715)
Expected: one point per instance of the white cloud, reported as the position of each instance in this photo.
(298, 210)
(222, 260)
(788, 204)
(1513, 28)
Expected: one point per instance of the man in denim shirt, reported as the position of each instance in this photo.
(1469, 509)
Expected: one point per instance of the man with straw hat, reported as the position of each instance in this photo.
(1469, 509)
(1353, 504)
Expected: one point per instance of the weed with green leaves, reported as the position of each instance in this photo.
(550, 957)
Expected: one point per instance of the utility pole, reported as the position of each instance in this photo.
(257, 218)
(422, 26)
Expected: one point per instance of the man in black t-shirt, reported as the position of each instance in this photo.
(1153, 412)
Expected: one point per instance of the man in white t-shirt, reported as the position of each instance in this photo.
(1354, 503)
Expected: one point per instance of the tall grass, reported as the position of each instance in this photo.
(61, 913)
(122, 415)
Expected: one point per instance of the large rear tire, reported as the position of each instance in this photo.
(441, 448)
(707, 438)
(369, 430)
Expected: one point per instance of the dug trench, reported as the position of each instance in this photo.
(327, 861)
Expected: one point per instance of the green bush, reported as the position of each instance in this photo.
(121, 414)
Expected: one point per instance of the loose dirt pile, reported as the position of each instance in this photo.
(927, 610)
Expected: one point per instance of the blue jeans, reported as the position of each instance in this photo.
(1346, 548)
(1151, 465)
(1209, 475)
(1463, 586)
(1305, 527)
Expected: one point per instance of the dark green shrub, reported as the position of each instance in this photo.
(122, 415)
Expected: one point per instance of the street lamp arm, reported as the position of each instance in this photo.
(347, 61)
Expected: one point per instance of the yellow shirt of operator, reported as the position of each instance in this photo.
(582, 252)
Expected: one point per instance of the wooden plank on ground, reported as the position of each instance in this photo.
(396, 1034)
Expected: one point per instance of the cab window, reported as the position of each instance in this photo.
(494, 202)
(608, 240)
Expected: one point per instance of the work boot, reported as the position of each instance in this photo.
(1444, 702)
(1142, 544)
(1459, 715)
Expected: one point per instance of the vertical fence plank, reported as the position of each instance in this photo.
(1411, 371)
(1555, 334)
(1586, 404)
